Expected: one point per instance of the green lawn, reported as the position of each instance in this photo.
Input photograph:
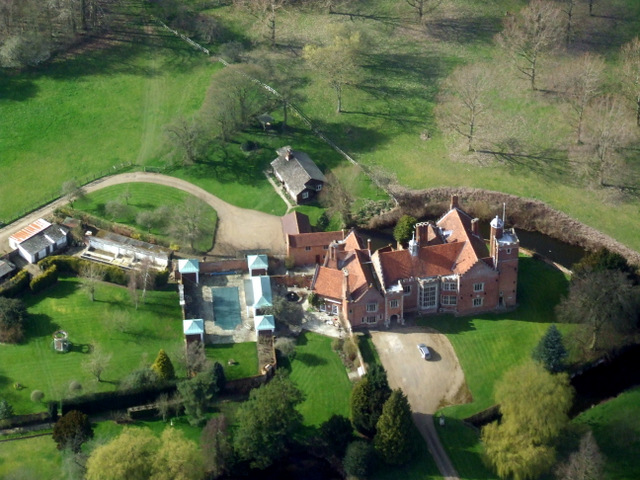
(149, 196)
(319, 373)
(244, 355)
(155, 325)
(45, 458)
(616, 426)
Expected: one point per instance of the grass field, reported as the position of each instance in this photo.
(30, 458)
(320, 374)
(148, 197)
(133, 340)
(244, 355)
(616, 426)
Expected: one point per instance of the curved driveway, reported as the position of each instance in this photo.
(238, 228)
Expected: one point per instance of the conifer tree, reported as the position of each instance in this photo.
(393, 440)
(550, 351)
(163, 366)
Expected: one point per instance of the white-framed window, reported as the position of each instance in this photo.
(477, 302)
(393, 304)
(305, 194)
(428, 295)
(323, 307)
(450, 286)
(449, 300)
(372, 307)
(478, 287)
(308, 249)
(407, 289)
(369, 319)
(334, 309)
(318, 187)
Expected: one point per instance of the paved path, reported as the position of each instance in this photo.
(238, 228)
(427, 384)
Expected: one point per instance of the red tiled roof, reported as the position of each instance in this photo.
(314, 239)
(295, 223)
(458, 223)
(30, 230)
(328, 283)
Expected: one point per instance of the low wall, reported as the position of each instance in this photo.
(244, 385)
(299, 281)
(224, 266)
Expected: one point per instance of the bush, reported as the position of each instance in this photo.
(37, 396)
(141, 378)
(336, 433)
(75, 265)
(18, 421)
(162, 278)
(287, 347)
(72, 430)
(289, 262)
(44, 280)
(6, 410)
(248, 146)
(17, 285)
(314, 300)
(12, 318)
(359, 458)
(163, 366)
(75, 387)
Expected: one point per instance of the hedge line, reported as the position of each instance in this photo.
(74, 265)
(17, 285)
(17, 421)
(93, 403)
(44, 280)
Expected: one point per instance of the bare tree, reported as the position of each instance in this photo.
(116, 209)
(467, 87)
(585, 464)
(591, 4)
(337, 199)
(536, 30)
(630, 56)
(91, 273)
(186, 137)
(337, 62)
(72, 191)
(133, 286)
(423, 7)
(265, 11)
(188, 221)
(567, 8)
(97, 362)
(581, 82)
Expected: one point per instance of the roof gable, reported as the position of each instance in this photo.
(317, 239)
(193, 326)
(264, 323)
(191, 265)
(296, 169)
(295, 222)
(257, 262)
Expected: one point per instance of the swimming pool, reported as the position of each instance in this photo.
(226, 307)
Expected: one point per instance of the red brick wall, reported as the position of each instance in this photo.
(301, 256)
(303, 281)
(224, 266)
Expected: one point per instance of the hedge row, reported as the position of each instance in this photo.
(75, 265)
(93, 403)
(44, 280)
(18, 421)
(17, 285)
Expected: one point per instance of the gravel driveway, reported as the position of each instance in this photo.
(427, 384)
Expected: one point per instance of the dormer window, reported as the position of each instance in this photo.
(318, 187)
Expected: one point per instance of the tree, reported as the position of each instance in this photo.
(467, 90)
(166, 404)
(591, 4)
(266, 421)
(130, 455)
(536, 30)
(337, 199)
(358, 460)
(145, 274)
(290, 313)
(6, 410)
(97, 362)
(13, 314)
(24, 49)
(72, 191)
(195, 358)
(72, 430)
(177, 458)
(116, 209)
(189, 220)
(605, 304)
(585, 464)
(550, 351)
(140, 378)
(336, 434)
(91, 273)
(286, 346)
(367, 399)
(37, 396)
(198, 392)
(581, 84)
(146, 219)
(217, 449)
(423, 7)
(630, 57)
(567, 9)
(534, 406)
(265, 11)
(604, 259)
(403, 231)
(337, 62)
(394, 438)
(187, 138)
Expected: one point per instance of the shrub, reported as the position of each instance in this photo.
(162, 278)
(359, 458)
(286, 346)
(6, 410)
(72, 430)
(289, 262)
(12, 317)
(248, 146)
(141, 378)
(75, 387)
(336, 433)
(314, 300)
(350, 350)
(44, 280)
(74, 265)
(37, 396)
(163, 366)
(15, 286)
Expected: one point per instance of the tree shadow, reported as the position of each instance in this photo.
(40, 325)
(16, 89)
(546, 162)
(310, 359)
(85, 348)
(467, 30)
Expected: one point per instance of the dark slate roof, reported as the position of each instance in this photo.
(6, 267)
(49, 236)
(297, 170)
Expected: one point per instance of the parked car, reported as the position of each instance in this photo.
(424, 351)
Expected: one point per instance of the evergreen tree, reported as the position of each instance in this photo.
(6, 410)
(367, 399)
(550, 351)
(72, 430)
(336, 433)
(197, 394)
(358, 461)
(403, 230)
(163, 366)
(393, 440)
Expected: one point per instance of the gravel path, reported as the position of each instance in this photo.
(427, 384)
(239, 229)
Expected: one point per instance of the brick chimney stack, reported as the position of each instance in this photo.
(475, 227)
(454, 202)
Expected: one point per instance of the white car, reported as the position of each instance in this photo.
(424, 351)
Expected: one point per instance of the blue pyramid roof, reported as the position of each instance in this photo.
(190, 265)
(264, 323)
(257, 262)
(193, 327)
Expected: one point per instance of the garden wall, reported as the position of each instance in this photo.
(289, 281)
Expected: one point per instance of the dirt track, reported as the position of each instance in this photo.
(427, 384)
(238, 228)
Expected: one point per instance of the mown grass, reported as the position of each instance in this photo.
(154, 325)
(79, 116)
(30, 458)
(244, 357)
(616, 427)
(320, 374)
(148, 197)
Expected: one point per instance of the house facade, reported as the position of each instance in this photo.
(299, 175)
(303, 246)
(126, 252)
(448, 268)
(39, 239)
